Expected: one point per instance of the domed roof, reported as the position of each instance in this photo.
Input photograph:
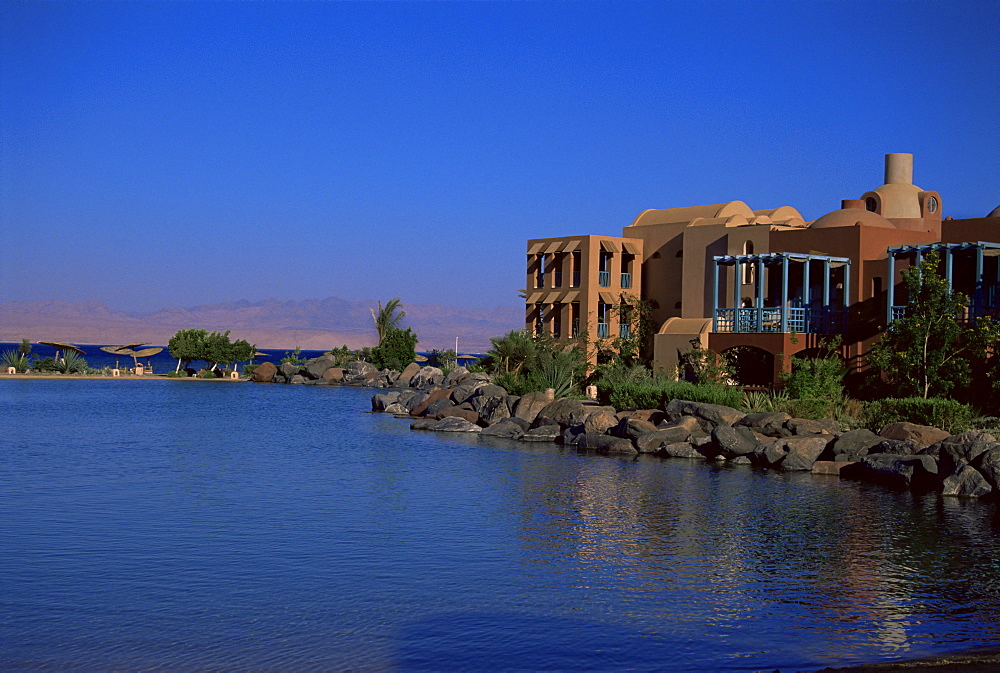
(848, 217)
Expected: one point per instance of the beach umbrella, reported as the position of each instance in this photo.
(114, 350)
(147, 353)
(62, 345)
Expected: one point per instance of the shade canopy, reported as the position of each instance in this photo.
(63, 346)
(148, 352)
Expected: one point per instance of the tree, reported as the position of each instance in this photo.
(396, 350)
(24, 349)
(187, 345)
(927, 352)
(387, 317)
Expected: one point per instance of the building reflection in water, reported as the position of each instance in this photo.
(744, 550)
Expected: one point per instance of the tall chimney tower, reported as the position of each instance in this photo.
(899, 168)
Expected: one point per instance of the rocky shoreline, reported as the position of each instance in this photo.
(902, 456)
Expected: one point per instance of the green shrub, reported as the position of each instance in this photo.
(657, 394)
(811, 407)
(209, 374)
(12, 358)
(182, 374)
(948, 415)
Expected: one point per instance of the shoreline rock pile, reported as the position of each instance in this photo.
(901, 456)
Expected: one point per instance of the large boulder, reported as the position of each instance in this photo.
(529, 405)
(465, 391)
(426, 377)
(437, 406)
(988, 463)
(600, 421)
(734, 441)
(407, 374)
(710, 415)
(564, 412)
(854, 445)
(490, 408)
(769, 424)
(359, 371)
(680, 450)
(432, 397)
(264, 373)
(456, 412)
(632, 428)
(334, 375)
(455, 375)
(315, 367)
(895, 471)
(453, 424)
(383, 400)
(803, 451)
(606, 444)
(924, 435)
(966, 482)
(511, 428)
(544, 433)
(288, 370)
(959, 449)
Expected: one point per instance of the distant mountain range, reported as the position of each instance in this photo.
(310, 323)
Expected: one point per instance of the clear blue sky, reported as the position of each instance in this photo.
(179, 153)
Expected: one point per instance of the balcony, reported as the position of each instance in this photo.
(623, 331)
(768, 319)
(602, 330)
(575, 327)
(604, 278)
(626, 280)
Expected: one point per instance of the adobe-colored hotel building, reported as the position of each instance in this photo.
(763, 284)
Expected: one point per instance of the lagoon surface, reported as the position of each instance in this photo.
(188, 526)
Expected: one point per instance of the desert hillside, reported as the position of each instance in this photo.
(310, 323)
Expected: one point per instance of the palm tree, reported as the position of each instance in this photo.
(387, 317)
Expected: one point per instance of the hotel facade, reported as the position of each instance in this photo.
(762, 285)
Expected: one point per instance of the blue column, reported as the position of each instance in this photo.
(948, 255)
(715, 298)
(847, 288)
(890, 296)
(826, 284)
(784, 294)
(759, 281)
(805, 284)
(737, 287)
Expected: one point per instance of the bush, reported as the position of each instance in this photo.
(657, 394)
(812, 407)
(948, 415)
(13, 358)
(182, 374)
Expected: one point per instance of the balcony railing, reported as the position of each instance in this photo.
(626, 280)
(602, 330)
(575, 326)
(768, 319)
(971, 315)
(604, 278)
(624, 331)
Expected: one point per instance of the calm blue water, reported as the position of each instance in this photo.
(192, 526)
